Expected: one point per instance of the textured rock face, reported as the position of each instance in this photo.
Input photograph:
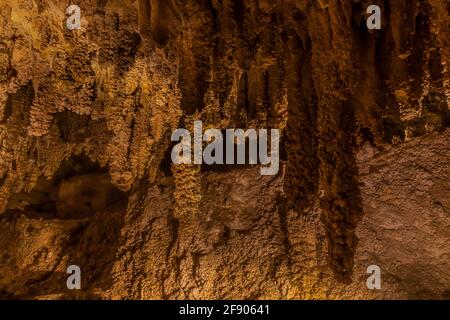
(85, 171)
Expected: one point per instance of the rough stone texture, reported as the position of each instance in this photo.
(365, 150)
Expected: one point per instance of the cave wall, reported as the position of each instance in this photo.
(114, 91)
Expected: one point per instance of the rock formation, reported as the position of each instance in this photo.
(86, 177)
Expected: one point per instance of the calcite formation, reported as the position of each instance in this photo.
(86, 178)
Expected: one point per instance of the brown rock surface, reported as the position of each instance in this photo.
(85, 171)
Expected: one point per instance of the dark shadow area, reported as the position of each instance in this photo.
(235, 166)
(78, 189)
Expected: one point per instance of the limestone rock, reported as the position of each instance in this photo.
(85, 171)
